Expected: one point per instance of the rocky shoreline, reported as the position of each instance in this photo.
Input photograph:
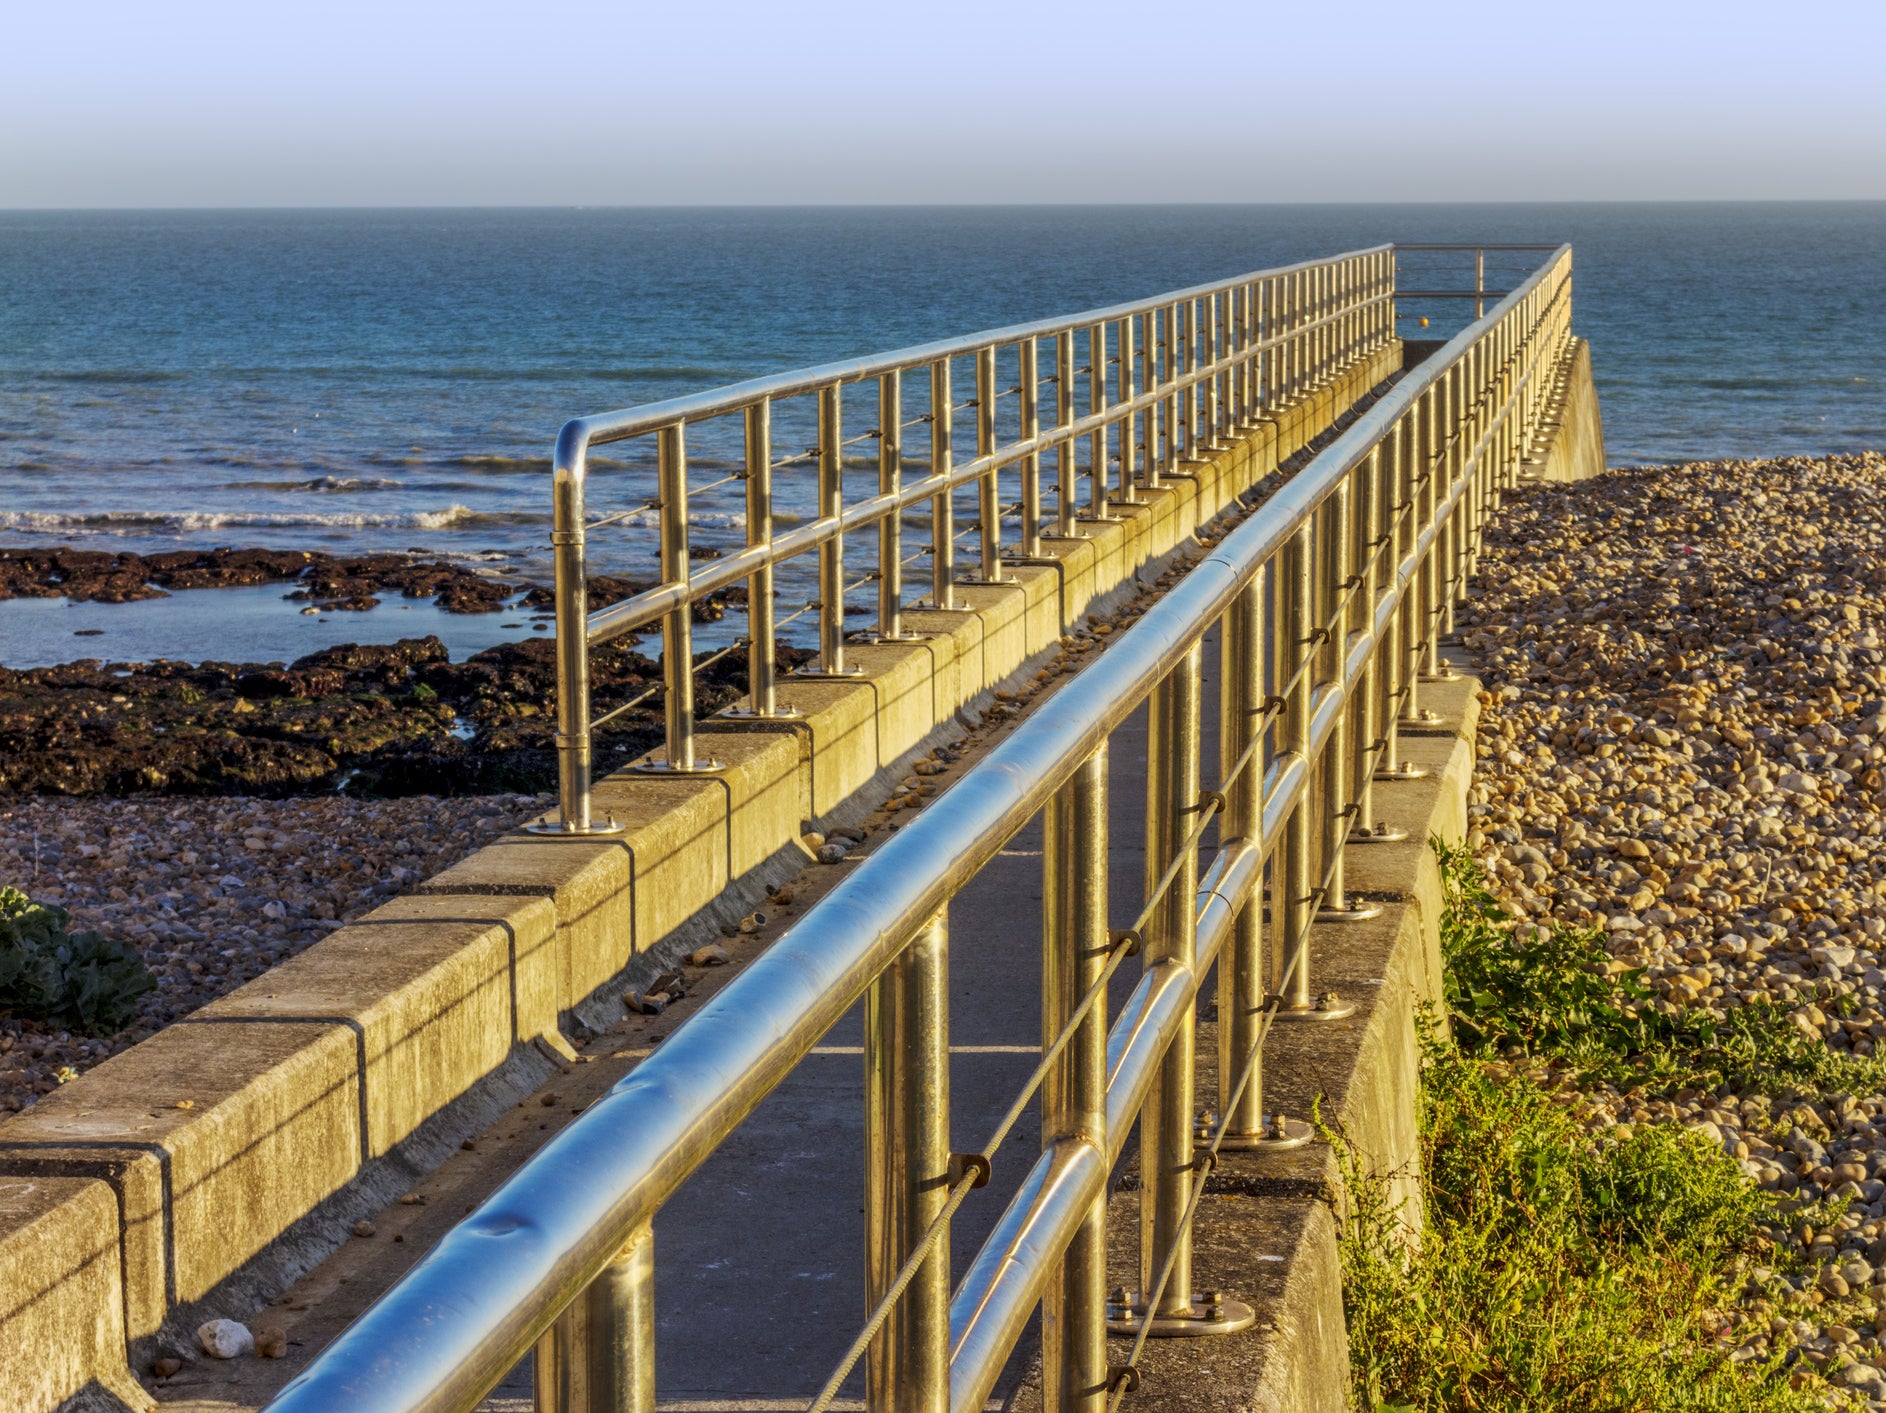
(397, 719)
(1683, 747)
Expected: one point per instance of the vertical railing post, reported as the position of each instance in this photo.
(891, 527)
(1066, 467)
(599, 1356)
(1030, 382)
(1294, 896)
(1126, 384)
(988, 484)
(1097, 500)
(1337, 565)
(1185, 446)
(1162, 454)
(677, 635)
(943, 506)
(1168, 1116)
(1074, 1094)
(1374, 740)
(1215, 384)
(1479, 283)
(907, 1171)
(1399, 653)
(762, 663)
(831, 506)
(1242, 992)
(572, 612)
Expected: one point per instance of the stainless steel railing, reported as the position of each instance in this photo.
(1329, 602)
(1166, 380)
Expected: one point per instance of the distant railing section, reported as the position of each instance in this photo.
(1071, 418)
(1407, 294)
(1328, 604)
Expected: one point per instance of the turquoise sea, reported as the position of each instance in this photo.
(394, 379)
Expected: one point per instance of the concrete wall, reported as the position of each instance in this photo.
(1575, 425)
(201, 1171)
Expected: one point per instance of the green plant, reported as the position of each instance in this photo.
(80, 980)
(1552, 1272)
(1546, 993)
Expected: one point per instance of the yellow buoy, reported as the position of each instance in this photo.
(1424, 323)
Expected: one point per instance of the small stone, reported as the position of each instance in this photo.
(1832, 1283)
(813, 842)
(469, 1145)
(712, 955)
(225, 1339)
(363, 1227)
(271, 1344)
(412, 1199)
(166, 1366)
(834, 852)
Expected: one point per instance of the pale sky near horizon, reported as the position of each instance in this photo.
(557, 102)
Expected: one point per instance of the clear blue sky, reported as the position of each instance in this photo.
(286, 102)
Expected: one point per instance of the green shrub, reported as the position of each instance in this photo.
(1546, 994)
(81, 981)
(1552, 1272)
(1558, 1271)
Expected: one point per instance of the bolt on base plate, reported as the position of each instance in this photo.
(1210, 1313)
(1377, 834)
(1351, 911)
(1327, 1007)
(1402, 770)
(1426, 716)
(1277, 1135)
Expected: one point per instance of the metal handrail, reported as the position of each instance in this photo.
(1167, 379)
(1348, 573)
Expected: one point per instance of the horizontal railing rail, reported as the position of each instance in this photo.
(1164, 380)
(1328, 605)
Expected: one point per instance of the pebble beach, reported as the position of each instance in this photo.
(1683, 747)
(215, 891)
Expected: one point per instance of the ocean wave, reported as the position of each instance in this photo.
(699, 519)
(452, 516)
(108, 375)
(330, 485)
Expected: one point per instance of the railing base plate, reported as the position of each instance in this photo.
(1295, 1134)
(1402, 770)
(1377, 833)
(892, 639)
(779, 713)
(707, 765)
(1350, 912)
(819, 674)
(1325, 1008)
(554, 829)
(1212, 1317)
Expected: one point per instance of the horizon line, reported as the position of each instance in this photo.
(948, 205)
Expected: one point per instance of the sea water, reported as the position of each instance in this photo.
(352, 380)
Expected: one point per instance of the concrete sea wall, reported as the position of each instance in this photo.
(201, 1171)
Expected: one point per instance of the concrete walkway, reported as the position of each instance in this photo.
(759, 1258)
